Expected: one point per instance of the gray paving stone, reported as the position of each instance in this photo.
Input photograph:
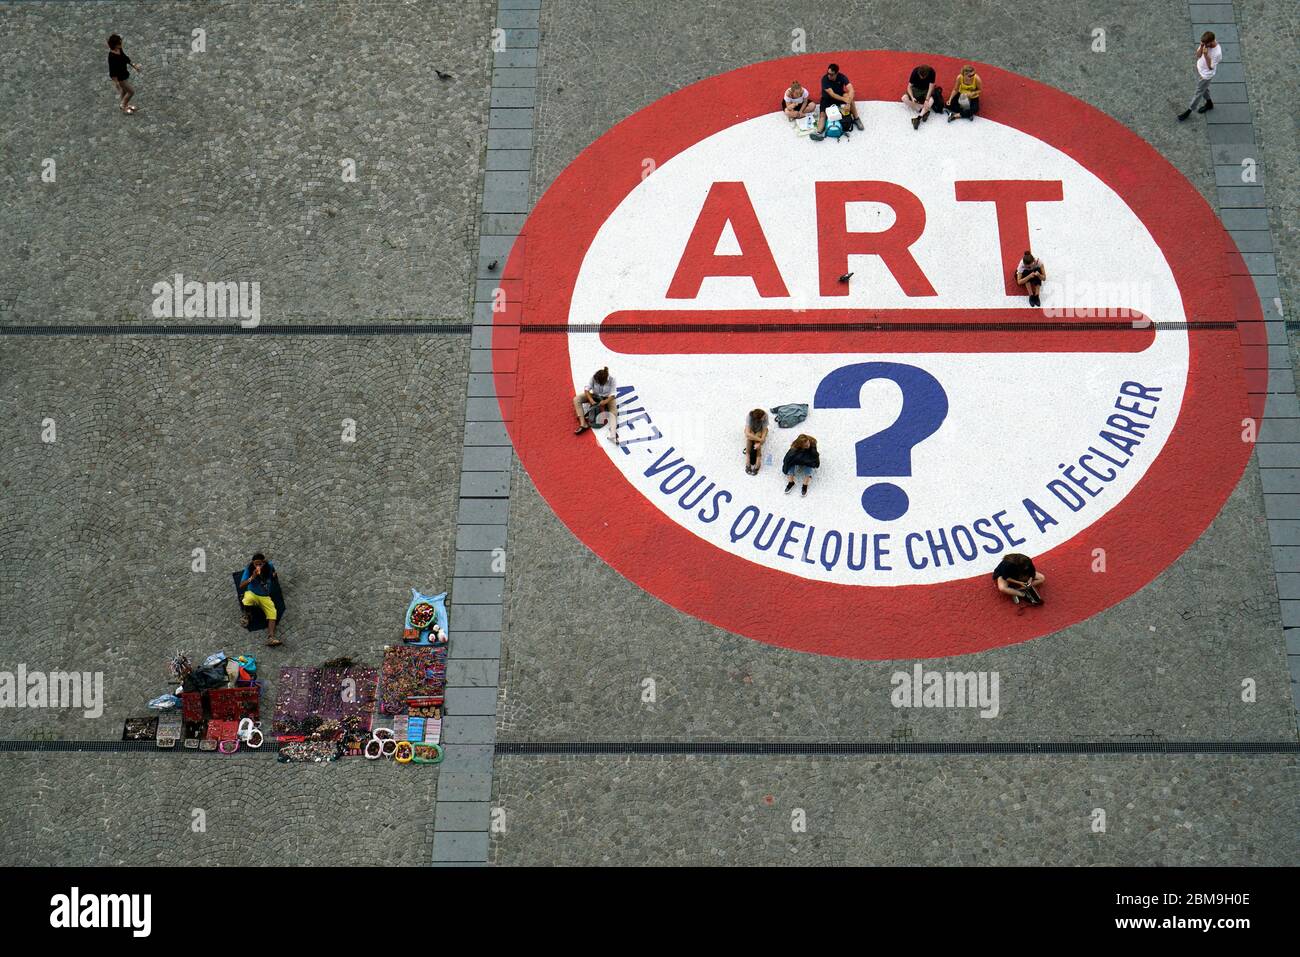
(486, 459)
(472, 673)
(476, 591)
(486, 433)
(470, 729)
(508, 181)
(1278, 456)
(512, 139)
(518, 18)
(506, 119)
(509, 159)
(1286, 559)
(1219, 132)
(479, 618)
(504, 224)
(1229, 115)
(477, 563)
(1291, 622)
(485, 511)
(1244, 219)
(1288, 586)
(1282, 507)
(1229, 92)
(1279, 357)
(1268, 287)
(505, 201)
(471, 538)
(1281, 381)
(521, 38)
(524, 56)
(1280, 481)
(481, 409)
(519, 4)
(1284, 534)
(465, 786)
(479, 644)
(514, 78)
(497, 484)
(460, 846)
(522, 97)
(462, 816)
(1236, 197)
(1282, 406)
(472, 700)
(1252, 241)
(465, 757)
(1225, 175)
(1208, 13)
(1280, 430)
(1231, 154)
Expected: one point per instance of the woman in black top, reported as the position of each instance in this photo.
(119, 72)
(1017, 577)
(801, 460)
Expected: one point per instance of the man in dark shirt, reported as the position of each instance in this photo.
(837, 90)
(119, 72)
(1017, 577)
(922, 94)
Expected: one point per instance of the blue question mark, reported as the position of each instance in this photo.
(925, 406)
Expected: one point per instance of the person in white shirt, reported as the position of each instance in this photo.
(795, 102)
(600, 394)
(1208, 55)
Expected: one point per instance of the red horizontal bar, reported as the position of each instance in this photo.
(771, 331)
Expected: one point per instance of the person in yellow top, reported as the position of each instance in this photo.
(965, 99)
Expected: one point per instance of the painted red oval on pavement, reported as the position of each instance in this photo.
(1101, 446)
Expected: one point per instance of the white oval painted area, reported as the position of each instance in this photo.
(1013, 419)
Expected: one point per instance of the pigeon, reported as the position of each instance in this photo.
(443, 76)
(846, 277)
(492, 265)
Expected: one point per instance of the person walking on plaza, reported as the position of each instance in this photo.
(802, 459)
(966, 90)
(119, 71)
(1208, 55)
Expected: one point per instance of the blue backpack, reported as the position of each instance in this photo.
(834, 129)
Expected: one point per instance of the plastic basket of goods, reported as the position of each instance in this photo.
(422, 615)
(404, 753)
(427, 754)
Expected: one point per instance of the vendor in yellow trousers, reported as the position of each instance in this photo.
(256, 584)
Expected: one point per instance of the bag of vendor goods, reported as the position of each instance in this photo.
(427, 612)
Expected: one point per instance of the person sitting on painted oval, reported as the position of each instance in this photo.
(796, 102)
(801, 459)
(755, 436)
(599, 395)
(1017, 577)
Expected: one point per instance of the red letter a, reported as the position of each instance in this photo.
(727, 203)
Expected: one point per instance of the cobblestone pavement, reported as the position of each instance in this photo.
(168, 445)
(232, 168)
(232, 171)
(106, 809)
(898, 811)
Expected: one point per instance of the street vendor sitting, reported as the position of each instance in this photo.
(256, 582)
